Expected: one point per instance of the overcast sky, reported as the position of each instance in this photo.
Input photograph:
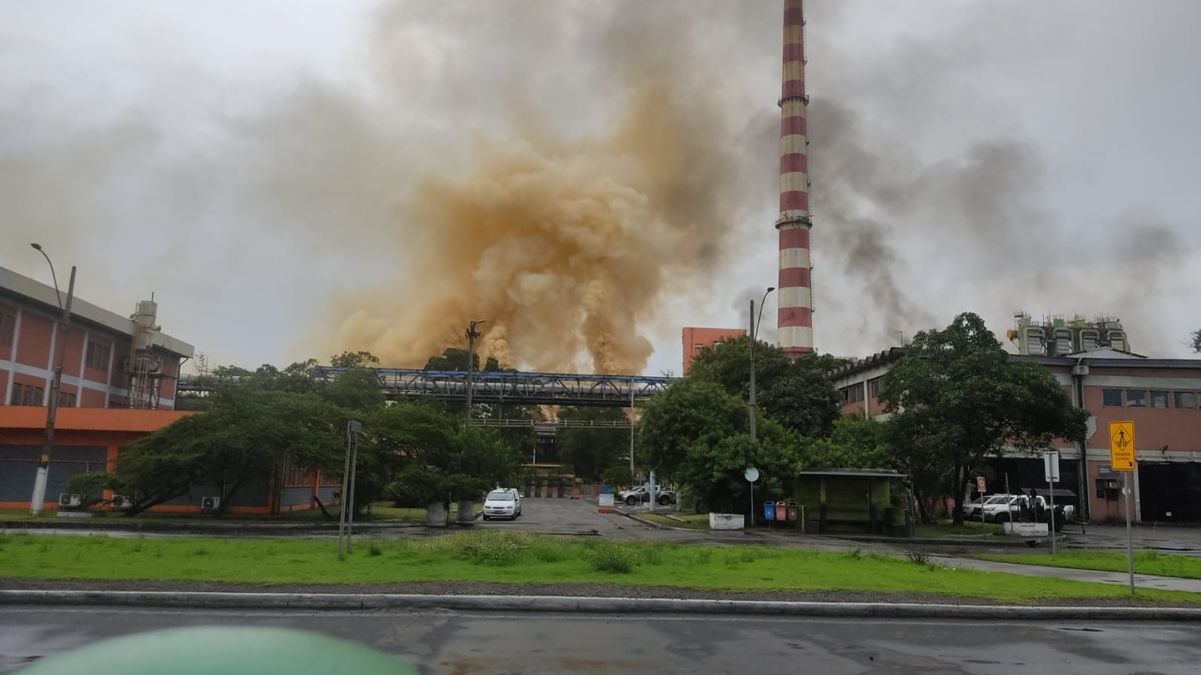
(265, 167)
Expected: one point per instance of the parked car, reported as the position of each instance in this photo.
(972, 510)
(642, 494)
(503, 503)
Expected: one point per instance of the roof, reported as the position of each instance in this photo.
(853, 473)
(24, 287)
(89, 419)
(1105, 353)
(880, 358)
(1103, 359)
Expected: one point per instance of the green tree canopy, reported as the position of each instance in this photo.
(855, 442)
(796, 393)
(433, 458)
(454, 358)
(359, 359)
(957, 397)
(695, 433)
(246, 435)
(687, 412)
(1196, 335)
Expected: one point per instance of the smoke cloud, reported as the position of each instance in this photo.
(567, 245)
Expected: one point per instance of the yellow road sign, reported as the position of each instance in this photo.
(1121, 446)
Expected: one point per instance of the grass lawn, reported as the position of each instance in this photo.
(511, 557)
(1145, 562)
(947, 528)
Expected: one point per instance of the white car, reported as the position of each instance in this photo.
(972, 510)
(505, 503)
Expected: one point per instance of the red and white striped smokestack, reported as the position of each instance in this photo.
(794, 325)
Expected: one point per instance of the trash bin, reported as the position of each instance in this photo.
(769, 511)
(794, 513)
(782, 512)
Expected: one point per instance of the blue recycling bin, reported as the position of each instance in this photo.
(769, 511)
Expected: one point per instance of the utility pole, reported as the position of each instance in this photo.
(752, 333)
(38, 499)
(472, 334)
(346, 513)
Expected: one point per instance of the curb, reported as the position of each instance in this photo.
(540, 603)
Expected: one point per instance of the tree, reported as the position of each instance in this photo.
(804, 398)
(696, 434)
(456, 359)
(958, 398)
(855, 442)
(727, 363)
(689, 411)
(359, 359)
(246, 435)
(1197, 341)
(357, 389)
(431, 458)
(797, 393)
(590, 450)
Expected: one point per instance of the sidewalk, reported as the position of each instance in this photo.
(1091, 576)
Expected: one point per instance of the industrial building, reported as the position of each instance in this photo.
(119, 384)
(1161, 397)
(696, 340)
(109, 360)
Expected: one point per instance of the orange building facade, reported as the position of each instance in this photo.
(697, 339)
(119, 384)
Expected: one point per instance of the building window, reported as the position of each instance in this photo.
(876, 386)
(852, 394)
(1186, 400)
(27, 394)
(98, 355)
(8, 329)
(1159, 399)
(1136, 398)
(66, 399)
(1112, 397)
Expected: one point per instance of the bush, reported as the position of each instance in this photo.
(611, 558)
(499, 549)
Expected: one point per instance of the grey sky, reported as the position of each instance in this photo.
(245, 160)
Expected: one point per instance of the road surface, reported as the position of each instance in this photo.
(454, 642)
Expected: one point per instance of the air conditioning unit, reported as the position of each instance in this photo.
(209, 503)
(68, 500)
(119, 502)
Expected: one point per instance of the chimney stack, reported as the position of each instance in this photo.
(795, 319)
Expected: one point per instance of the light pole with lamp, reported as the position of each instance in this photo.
(39, 482)
(754, 335)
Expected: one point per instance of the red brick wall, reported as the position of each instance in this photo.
(1154, 428)
(33, 345)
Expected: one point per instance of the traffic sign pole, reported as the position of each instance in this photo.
(1121, 458)
(1129, 537)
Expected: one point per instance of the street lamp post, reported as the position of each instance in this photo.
(754, 335)
(38, 500)
(472, 334)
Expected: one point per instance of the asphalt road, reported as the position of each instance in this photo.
(452, 642)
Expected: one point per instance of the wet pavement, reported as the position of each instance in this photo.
(464, 642)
